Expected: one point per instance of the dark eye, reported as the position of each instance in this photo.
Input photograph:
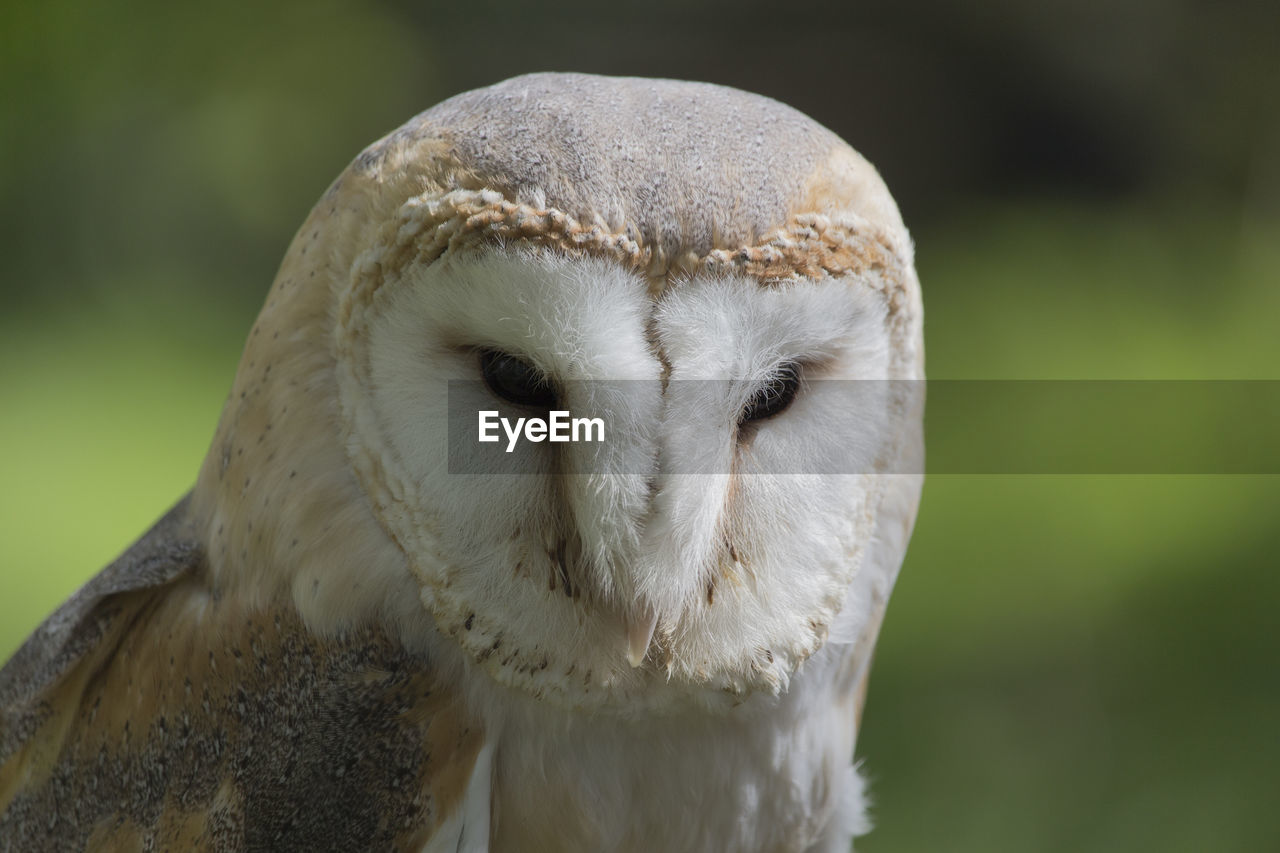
(774, 396)
(516, 381)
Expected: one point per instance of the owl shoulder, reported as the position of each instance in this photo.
(149, 711)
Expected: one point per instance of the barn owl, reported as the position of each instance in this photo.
(345, 639)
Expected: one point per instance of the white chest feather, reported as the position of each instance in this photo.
(776, 775)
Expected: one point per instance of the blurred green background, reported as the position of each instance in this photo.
(1070, 663)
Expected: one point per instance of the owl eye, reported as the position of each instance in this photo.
(774, 396)
(516, 380)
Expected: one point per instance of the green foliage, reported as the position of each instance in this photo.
(1086, 663)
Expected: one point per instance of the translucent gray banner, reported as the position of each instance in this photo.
(853, 427)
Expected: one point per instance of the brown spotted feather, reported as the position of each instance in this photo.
(164, 717)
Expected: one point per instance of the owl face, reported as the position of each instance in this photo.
(721, 282)
(698, 549)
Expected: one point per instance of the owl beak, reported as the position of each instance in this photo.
(639, 635)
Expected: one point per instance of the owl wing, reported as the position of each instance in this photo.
(160, 556)
(150, 713)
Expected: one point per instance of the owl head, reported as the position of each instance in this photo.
(708, 273)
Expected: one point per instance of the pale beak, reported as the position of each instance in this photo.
(639, 635)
